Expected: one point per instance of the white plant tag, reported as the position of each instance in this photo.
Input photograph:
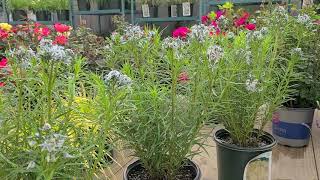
(145, 10)
(259, 167)
(31, 16)
(186, 8)
(10, 17)
(174, 11)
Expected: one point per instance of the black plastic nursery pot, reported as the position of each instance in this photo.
(84, 5)
(109, 4)
(43, 15)
(137, 166)
(19, 15)
(239, 163)
(292, 126)
(63, 15)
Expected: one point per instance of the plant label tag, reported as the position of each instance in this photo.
(31, 16)
(174, 11)
(186, 9)
(259, 167)
(145, 10)
(10, 17)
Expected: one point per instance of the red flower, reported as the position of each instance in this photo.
(2, 84)
(246, 15)
(3, 63)
(183, 77)
(214, 24)
(45, 31)
(181, 32)
(61, 40)
(3, 34)
(250, 26)
(204, 19)
(61, 28)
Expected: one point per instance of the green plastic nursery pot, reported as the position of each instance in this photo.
(239, 163)
(292, 126)
(192, 167)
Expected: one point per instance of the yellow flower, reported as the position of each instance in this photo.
(5, 26)
(227, 5)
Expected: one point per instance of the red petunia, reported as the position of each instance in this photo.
(183, 77)
(3, 63)
(61, 40)
(204, 19)
(239, 22)
(181, 32)
(61, 28)
(3, 34)
(214, 24)
(45, 31)
(2, 84)
(250, 26)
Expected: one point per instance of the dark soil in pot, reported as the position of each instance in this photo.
(19, 15)
(237, 163)
(84, 5)
(63, 15)
(136, 171)
(109, 4)
(43, 15)
(179, 10)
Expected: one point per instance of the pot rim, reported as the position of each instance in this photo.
(297, 109)
(138, 161)
(265, 135)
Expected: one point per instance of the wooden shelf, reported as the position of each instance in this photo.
(167, 19)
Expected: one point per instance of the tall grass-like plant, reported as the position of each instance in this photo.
(168, 104)
(254, 80)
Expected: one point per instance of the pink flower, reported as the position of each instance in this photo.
(61, 28)
(3, 34)
(317, 22)
(3, 63)
(45, 31)
(181, 32)
(61, 40)
(239, 22)
(183, 77)
(204, 19)
(246, 15)
(2, 84)
(219, 14)
(214, 24)
(250, 26)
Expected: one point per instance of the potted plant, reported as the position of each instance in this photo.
(252, 84)
(167, 106)
(292, 123)
(149, 8)
(174, 9)
(41, 9)
(84, 5)
(61, 7)
(19, 9)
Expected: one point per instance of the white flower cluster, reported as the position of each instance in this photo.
(133, 32)
(304, 19)
(297, 51)
(257, 35)
(54, 52)
(23, 55)
(252, 84)
(280, 11)
(214, 53)
(174, 43)
(200, 32)
(120, 79)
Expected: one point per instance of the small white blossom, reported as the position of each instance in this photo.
(133, 32)
(31, 165)
(67, 155)
(252, 85)
(46, 127)
(53, 143)
(200, 32)
(32, 143)
(54, 52)
(303, 19)
(230, 35)
(121, 79)
(214, 53)
(174, 43)
(23, 55)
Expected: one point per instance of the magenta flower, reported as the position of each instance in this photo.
(181, 32)
(214, 24)
(204, 19)
(219, 14)
(250, 26)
